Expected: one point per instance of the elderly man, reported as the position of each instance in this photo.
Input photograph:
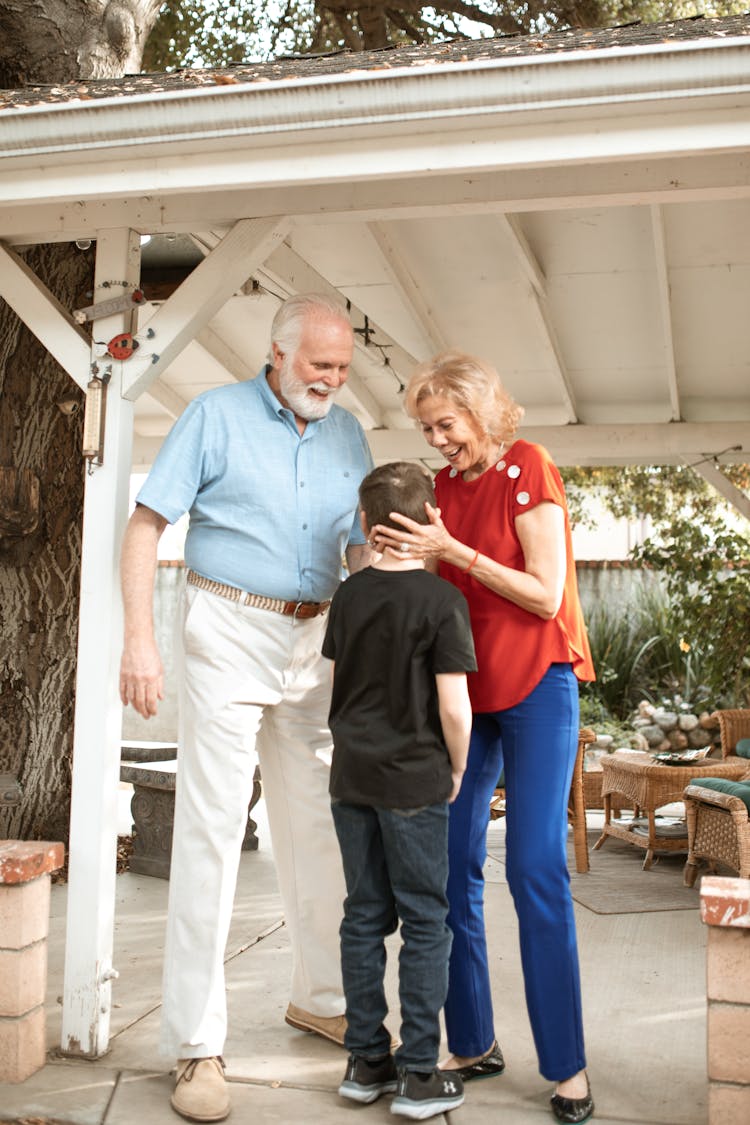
(269, 471)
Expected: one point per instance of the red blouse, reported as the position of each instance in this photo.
(514, 647)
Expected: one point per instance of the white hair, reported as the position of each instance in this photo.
(287, 326)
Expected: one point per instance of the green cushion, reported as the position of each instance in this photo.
(739, 789)
(743, 748)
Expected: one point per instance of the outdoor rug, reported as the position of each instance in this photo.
(616, 882)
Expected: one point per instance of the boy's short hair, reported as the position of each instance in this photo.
(399, 486)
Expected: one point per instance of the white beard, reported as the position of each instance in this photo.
(296, 393)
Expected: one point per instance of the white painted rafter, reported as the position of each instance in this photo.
(712, 474)
(285, 272)
(408, 287)
(665, 308)
(237, 367)
(173, 403)
(201, 295)
(534, 275)
(302, 278)
(43, 314)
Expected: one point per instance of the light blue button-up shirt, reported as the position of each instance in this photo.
(271, 511)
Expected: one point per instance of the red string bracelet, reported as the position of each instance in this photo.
(471, 564)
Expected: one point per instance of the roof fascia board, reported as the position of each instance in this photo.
(368, 158)
(434, 91)
(607, 183)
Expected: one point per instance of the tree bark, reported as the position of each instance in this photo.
(40, 571)
(50, 41)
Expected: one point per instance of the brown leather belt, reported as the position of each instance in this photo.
(302, 610)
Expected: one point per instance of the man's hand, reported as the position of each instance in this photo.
(142, 678)
(141, 672)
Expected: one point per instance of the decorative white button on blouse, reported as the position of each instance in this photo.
(453, 473)
(499, 466)
(523, 498)
(514, 471)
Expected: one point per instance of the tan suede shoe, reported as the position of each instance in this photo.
(328, 1027)
(200, 1092)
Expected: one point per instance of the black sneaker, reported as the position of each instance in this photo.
(425, 1095)
(366, 1079)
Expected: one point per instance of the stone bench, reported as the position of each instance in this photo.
(152, 808)
(25, 868)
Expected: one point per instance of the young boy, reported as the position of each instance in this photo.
(400, 716)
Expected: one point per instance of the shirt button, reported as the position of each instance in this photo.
(304, 527)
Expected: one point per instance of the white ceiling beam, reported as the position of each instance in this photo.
(304, 279)
(682, 179)
(408, 287)
(202, 294)
(225, 355)
(287, 270)
(173, 403)
(670, 443)
(637, 444)
(45, 316)
(712, 474)
(665, 308)
(534, 275)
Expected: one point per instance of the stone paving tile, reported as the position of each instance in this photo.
(77, 1091)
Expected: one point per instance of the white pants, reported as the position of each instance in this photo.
(253, 680)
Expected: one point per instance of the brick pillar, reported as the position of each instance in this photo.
(24, 922)
(725, 908)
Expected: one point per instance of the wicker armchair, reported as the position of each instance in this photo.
(719, 823)
(733, 725)
(576, 803)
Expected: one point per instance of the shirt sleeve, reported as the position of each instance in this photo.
(176, 474)
(356, 535)
(453, 650)
(535, 479)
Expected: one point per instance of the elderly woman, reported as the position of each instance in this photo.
(501, 535)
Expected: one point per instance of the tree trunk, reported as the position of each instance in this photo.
(40, 553)
(40, 566)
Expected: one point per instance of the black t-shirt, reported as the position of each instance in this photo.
(389, 633)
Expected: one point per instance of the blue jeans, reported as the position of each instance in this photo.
(396, 868)
(535, 743)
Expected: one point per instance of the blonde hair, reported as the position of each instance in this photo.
(472, 385)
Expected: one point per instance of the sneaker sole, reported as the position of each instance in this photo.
(420, 1111)
(366, 1094)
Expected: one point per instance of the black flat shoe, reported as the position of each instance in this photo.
(486, 1067)
(573, 1111)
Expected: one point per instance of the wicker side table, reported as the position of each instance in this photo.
(649, 785)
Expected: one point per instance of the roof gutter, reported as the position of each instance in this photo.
(612, 76)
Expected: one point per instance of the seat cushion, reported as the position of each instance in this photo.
(739, 789)
(742, 749)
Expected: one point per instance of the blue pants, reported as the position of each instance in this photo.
(396, 867)
(535, 743)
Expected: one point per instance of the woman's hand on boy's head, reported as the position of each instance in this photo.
(416, 541)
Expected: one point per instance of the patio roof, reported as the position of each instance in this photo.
(572, 206)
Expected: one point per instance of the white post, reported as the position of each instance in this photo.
(98, 712)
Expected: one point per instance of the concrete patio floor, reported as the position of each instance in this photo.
(644, 1005)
